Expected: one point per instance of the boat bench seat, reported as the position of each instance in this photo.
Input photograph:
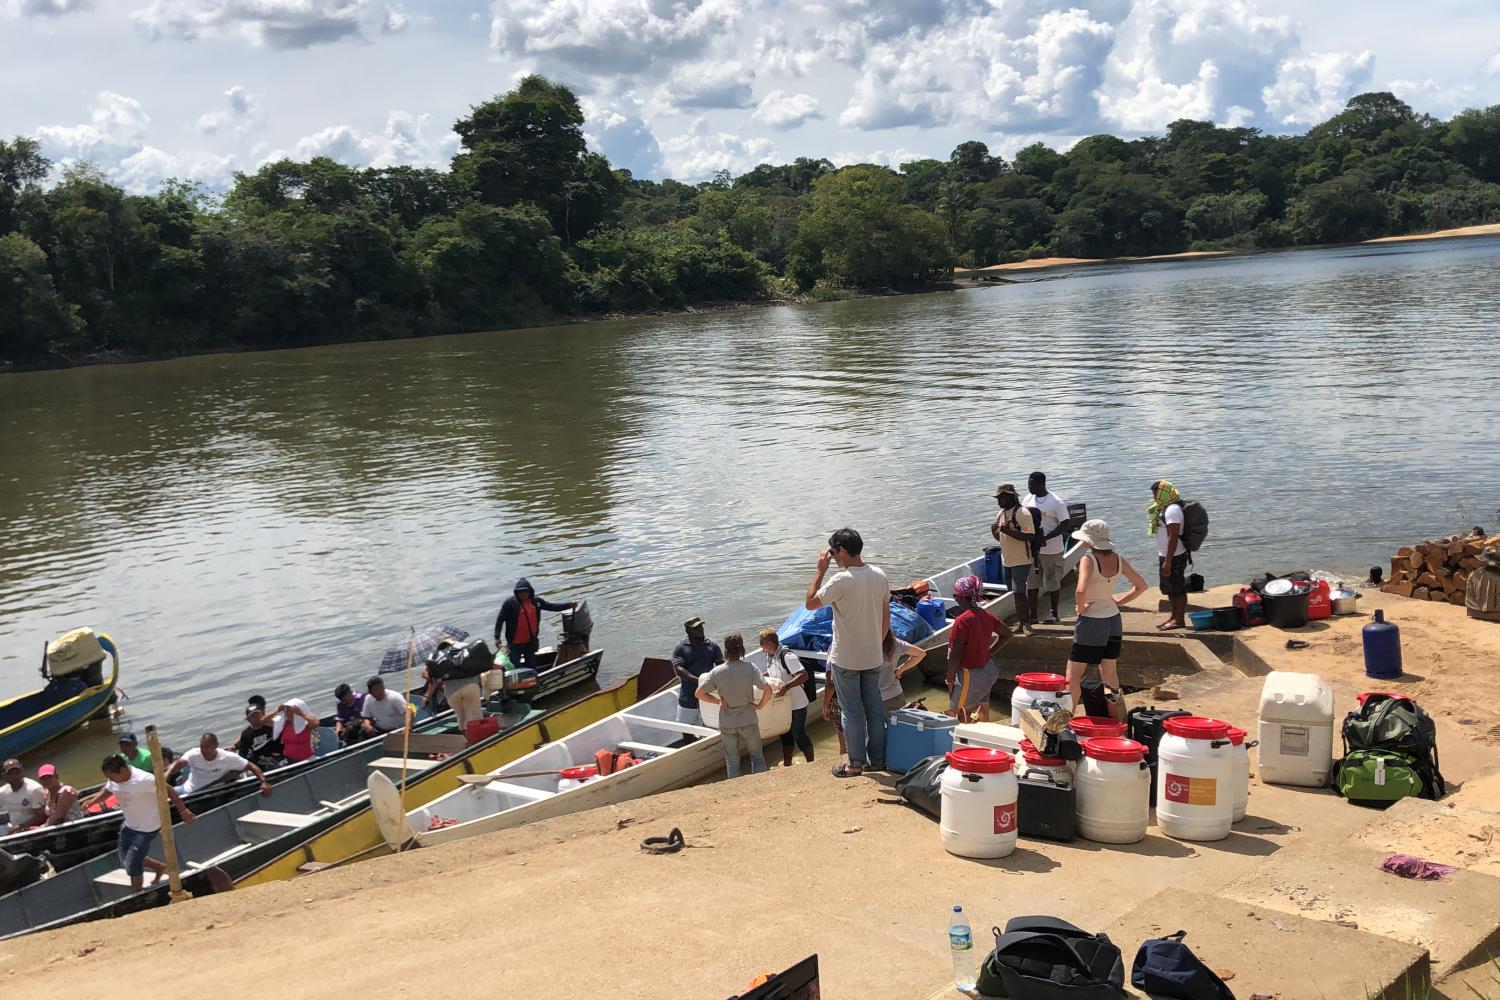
(266, 824)
(394, 764)
(520, 791)
(670, 725)
(650, 748)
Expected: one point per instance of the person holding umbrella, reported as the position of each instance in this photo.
(520, 622)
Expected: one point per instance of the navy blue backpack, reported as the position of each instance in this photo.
(1165, 967)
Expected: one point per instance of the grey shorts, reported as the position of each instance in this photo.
(972, 687)
(1050, 578)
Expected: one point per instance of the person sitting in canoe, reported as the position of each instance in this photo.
(135, 755)
(297, 728)
(520, 622)
(23, 801)
(348, 715)
(386, 710)
(62, 800)
(208, 765)
(258, 743)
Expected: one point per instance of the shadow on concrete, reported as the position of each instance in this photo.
(1021, 860)
(1153, 846)
(1239, 843)
(1260, 826)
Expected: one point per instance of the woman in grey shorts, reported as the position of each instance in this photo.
(1096, 638)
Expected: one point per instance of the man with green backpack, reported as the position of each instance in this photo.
(1390, 753)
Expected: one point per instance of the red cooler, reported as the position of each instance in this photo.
(1320, 601)
(1252, 611)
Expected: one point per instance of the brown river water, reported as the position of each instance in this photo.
(271, 522)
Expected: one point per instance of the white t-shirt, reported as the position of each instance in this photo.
(1054, 511)
(203, 772)
(18, 803)
(859, 596)
(1172, 515)
(137, 798)
(783, 667)
(388, 715)
(890, 684)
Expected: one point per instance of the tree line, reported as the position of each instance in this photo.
(529, 226)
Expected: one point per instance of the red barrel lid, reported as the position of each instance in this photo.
(580, 772)
(980, 760)
(1089, 726)
(1367, 695)
(1115, 749)
(1237, 735)
(1195, 727)
(1042, 682)
(1035, 757)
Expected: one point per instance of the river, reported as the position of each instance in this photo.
(271, 522)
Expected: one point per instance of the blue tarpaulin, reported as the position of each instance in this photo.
(813, 630)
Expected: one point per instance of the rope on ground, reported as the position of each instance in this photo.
(670, 844)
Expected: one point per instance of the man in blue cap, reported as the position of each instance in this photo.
(135, 755)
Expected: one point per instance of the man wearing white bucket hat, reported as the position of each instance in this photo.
(1096, 637)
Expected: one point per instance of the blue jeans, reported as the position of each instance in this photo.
(864, 715)
(738, 742)
(133, 845)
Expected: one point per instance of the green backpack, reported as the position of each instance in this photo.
(1378, 777)
(1390, 752)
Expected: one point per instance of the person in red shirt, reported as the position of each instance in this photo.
(519, 624)
(975, 636)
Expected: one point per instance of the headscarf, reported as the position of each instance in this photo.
(968, 586)
(298, 722)
(1166, 495)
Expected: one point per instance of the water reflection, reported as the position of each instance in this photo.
(265, 521)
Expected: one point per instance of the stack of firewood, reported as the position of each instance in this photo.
(1437, 570)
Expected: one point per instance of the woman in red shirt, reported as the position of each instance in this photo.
(975, 636)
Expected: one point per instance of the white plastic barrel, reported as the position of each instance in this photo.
(1296, 730)
(1195, 779)
(978, 816)
(1029, 758)
(1239, 741)
(572, 777)
(1113, 791)
(1038, 687)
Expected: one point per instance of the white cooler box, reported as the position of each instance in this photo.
(774, 719)
(989, 735)
(1296, 729)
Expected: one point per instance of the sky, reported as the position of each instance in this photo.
(198, 89)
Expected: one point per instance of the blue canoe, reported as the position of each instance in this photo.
(28, 721)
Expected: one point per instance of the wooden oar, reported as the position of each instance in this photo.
(485, 779)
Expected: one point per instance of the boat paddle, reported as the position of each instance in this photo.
(485, 779)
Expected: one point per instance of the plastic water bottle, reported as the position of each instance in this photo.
(961, 944)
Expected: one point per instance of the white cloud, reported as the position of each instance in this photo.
(709, 85)
(243, 114)
(616, 129)
(405, 141)
(699, 153)
(1314, 87)
(784, 111)
(398, 19)
(273, 24)
(1492, 67)
(114, 140)
(881, 157)
(47, 8)
(1431, 97)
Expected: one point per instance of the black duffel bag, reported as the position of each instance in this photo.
(1045, 958)
(460, 660)
(921, 786)
(1165, 967)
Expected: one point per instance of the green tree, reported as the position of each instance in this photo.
(22, 166)
(971, 163)
(1473, 140)
(1225, 216)
(858, 234)
(34, 319)
(1341, 210)
(1040, 161)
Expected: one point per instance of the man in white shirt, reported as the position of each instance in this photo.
(860, 596)
(135, 790)
(1052, 511)
(1167, 519)
(386, 710)
(22, 800)
(207, 765)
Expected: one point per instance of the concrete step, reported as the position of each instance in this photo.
(1447, 832)
(1457, 920)
(1273, 953)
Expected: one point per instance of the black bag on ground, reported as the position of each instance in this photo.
(1044, 958)
(922, 785)
(469, 659)
(1165, 967)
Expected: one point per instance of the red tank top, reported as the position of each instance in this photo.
(296, 746)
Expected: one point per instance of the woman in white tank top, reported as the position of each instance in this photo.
(1096, 637)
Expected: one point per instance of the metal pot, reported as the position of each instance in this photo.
(1345, 602)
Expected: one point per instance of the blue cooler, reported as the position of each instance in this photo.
(912, 734)
(994, 569)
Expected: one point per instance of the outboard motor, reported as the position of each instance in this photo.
(577, 626)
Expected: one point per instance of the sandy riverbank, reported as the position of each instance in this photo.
(1047, 263)
(795, 861)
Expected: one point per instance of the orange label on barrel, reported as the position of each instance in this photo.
(1005, 818)
(1191, 791)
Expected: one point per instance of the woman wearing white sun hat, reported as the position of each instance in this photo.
(1096, 637)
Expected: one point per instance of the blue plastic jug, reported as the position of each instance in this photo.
(934, 611)
(994, 570)
(1382, 648)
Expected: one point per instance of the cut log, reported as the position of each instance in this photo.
(1471, 563)
(1420, 594)
(1457, 597)
(1460, 581)
(1437, 595)
(1402, 589)
(1456, 547)
(1428, 580)
(1404, 551)
(1434, 561)
(1474, 548)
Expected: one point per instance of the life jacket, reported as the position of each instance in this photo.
(610, 761)
(528, 622)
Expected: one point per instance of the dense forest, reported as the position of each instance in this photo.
(529, 226)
